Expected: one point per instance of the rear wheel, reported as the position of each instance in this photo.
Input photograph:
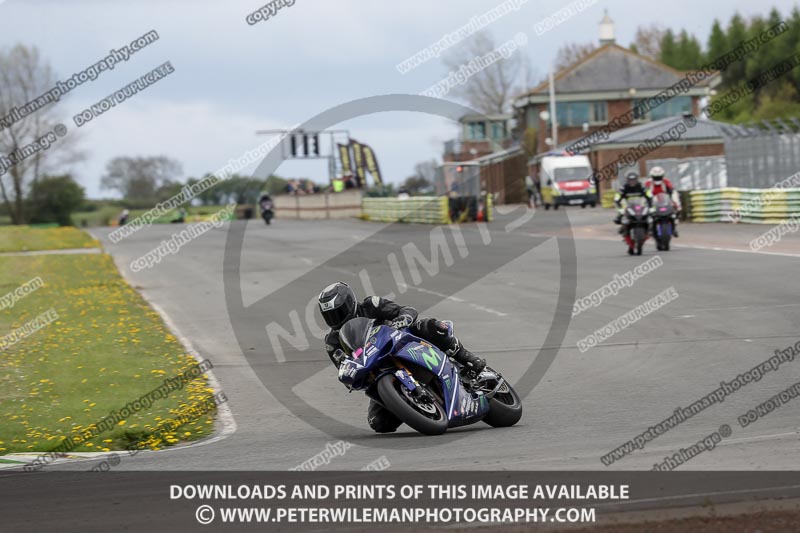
(555, 206)
(583, 206)
(593, 204)
(546, 207)
(421, 412)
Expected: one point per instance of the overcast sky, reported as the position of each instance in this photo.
(232, 78)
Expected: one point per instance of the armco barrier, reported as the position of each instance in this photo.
(345, 204)
(424, 210)
(753, 206)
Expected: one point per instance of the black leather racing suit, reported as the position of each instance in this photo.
(632, 191)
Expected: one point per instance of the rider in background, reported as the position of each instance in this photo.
(338, 304)
(631, 189)
(530, 187)
(658, 184)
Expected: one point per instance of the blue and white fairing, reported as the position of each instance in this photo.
(364, 369)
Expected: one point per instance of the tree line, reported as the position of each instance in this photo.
(682, 50)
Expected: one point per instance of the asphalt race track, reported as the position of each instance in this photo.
(733, 310)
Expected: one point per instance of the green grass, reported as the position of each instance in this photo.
(106, 349)
(100, 217)
(108, 215)
(27, 238)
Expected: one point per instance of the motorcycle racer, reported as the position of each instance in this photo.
(338, 304)
(658, 184)
(632, 189)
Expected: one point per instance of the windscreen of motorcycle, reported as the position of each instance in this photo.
(354, 334)
(662, 199)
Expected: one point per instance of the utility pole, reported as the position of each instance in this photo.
(553, 121)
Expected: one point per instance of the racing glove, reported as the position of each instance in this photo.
(402, 321)
(338, 357)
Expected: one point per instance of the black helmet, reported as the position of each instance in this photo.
(337, 303)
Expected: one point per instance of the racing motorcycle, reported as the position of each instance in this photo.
(266, 211)
(418, 383)
(663, 220)
(637, 221)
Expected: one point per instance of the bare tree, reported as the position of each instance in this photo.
(426, 170)
(491, 89)
(571, 53)
(647, 41)
(423, 177)
(138, 179)
(30, 145)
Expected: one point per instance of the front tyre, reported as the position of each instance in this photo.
(427, 417)
(638, 239)
(505, 408)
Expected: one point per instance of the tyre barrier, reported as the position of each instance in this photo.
(751, 206)
(607, 198)
(423, 210)
(427, 209)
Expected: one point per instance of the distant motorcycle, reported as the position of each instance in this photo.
(419, 384)
(636, 222)
(267, 212)
(663, 221)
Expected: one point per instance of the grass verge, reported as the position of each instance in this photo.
(26, 239)
(107, 348)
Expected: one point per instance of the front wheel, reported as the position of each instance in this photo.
(427, 417)
(505, 408)
(638, 238)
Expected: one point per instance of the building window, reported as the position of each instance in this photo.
(476, 131)
(650, 109)
(578, 113)
(532, 117)
(498, 130)
(572, 113)
(600, 112)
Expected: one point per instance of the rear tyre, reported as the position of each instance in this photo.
(546, 207)
(505, 408)
(583, 206)
(555, 206)
(593, 204)
(427, 418)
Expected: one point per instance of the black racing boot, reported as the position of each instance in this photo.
(471, 362)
